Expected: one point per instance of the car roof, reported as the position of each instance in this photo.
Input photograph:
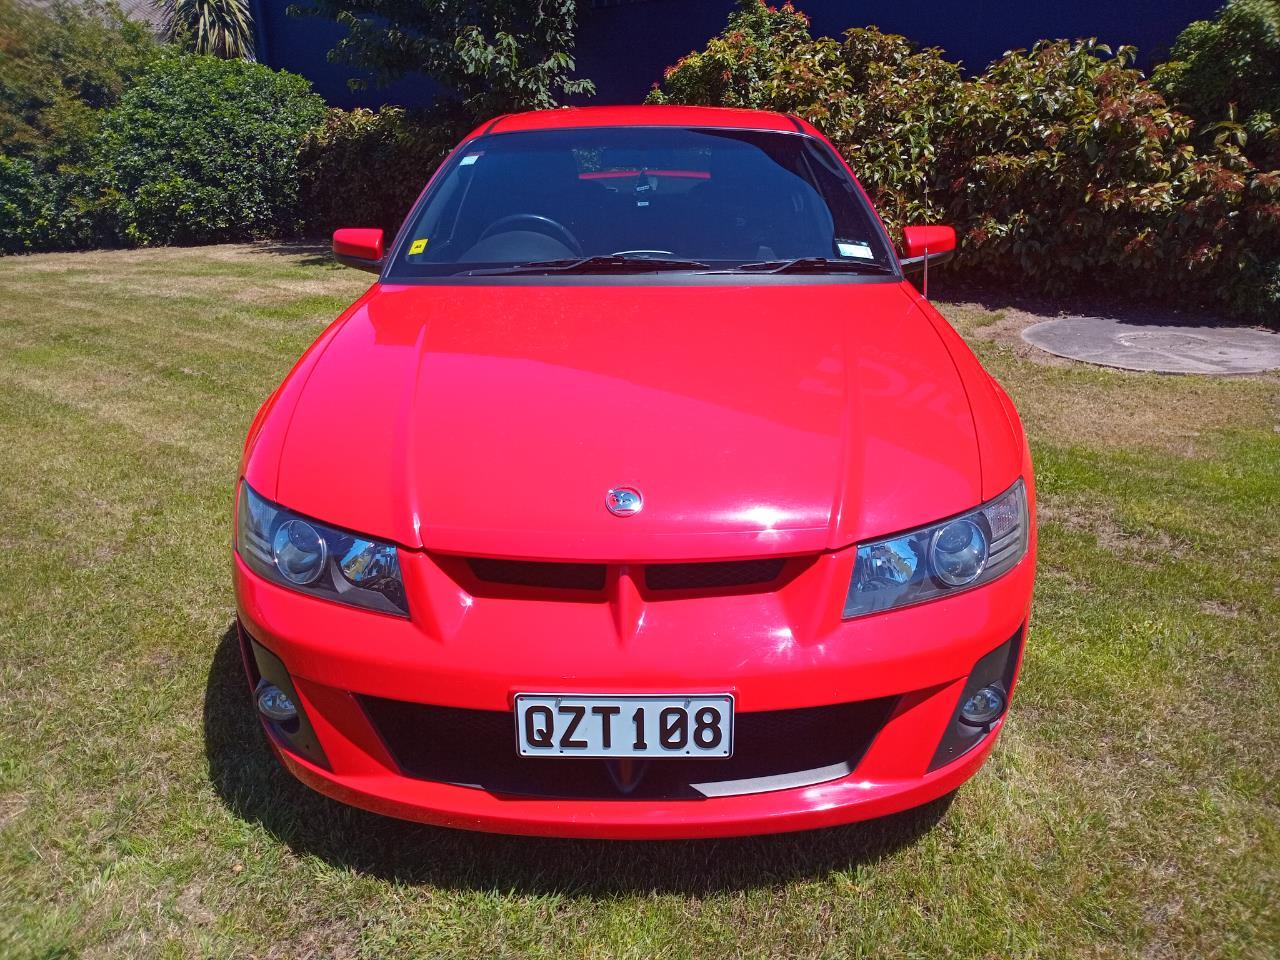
(645, 116)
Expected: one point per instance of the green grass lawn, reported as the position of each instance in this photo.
(1131, 808)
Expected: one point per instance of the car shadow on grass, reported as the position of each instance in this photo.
(1134, 310)
(253, 786)
(309, 253)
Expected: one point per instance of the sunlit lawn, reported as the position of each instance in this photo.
(1130, 809)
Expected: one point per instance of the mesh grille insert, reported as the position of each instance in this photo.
(710, 576)
(528, 573)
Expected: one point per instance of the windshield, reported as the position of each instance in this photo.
(593, 200)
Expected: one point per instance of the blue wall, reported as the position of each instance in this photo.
(624, 45)
(302, 45)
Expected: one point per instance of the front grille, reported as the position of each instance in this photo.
(773, 750)
(528, 573)
(716, 575)
(712, 576)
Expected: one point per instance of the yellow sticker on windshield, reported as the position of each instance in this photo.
(417, 247)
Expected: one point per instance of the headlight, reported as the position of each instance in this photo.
(944, 558)
(299, 552)
(304, 555)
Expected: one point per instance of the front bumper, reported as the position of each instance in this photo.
(472, 646)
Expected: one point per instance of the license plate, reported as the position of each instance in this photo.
(568, 725)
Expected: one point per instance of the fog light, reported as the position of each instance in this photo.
(275, 704)
(983, 707)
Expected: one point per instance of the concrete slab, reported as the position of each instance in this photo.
(1158, 347)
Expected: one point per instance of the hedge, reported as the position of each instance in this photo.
(361, 168)
(204, 150)
(1062, 167)
(198, 150)
(21, 203)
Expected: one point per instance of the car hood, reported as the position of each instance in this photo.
(492, 420)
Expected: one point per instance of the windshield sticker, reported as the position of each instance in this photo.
(417, 246)
(469, 159)
(860, 250)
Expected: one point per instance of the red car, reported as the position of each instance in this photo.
(641, 496)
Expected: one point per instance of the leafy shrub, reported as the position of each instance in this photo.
(1070, 170)
(1225, 73)
(1061, 167)
(895, 128)
(360, 168)
(59, 64)
(42, 210)
(881, 101)
(764, 59)
(203, 150)
(21, 203)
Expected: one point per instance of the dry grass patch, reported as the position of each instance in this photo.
(170, 273)
(1099, 520)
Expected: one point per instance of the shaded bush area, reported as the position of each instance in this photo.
(62, 67)
(109, 138)
(1062, 167)
(365, 168)
(21, 197)
(1067, 169)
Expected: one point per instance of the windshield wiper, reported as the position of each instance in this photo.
(602, 264)
(813, 265)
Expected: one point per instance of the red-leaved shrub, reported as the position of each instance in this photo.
(1062, 168)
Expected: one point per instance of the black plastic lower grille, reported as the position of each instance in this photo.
(772, 750)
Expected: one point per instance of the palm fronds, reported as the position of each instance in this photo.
(222, 28)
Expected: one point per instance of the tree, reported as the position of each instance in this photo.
(220, 28)
(61, 63)
(495, 56)
(1225, 73)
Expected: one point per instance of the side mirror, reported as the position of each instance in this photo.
(922, 246)
(359, 247)
(932, 244)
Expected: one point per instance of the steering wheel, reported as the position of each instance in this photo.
(538, 222)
